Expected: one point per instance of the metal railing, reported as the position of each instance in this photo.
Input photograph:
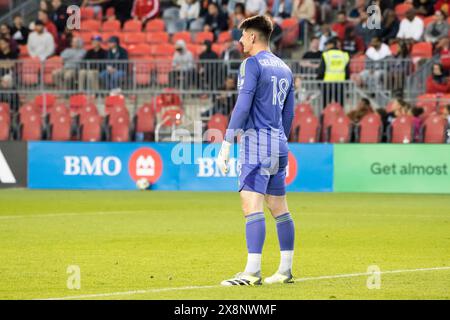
(26, 9)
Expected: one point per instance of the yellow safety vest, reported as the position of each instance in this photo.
(335, 63)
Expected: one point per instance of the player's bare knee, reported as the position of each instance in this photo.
(277, 205)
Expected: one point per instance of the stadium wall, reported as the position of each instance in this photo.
(409, 168)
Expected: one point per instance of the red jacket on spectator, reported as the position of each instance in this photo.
(339, 28)
(443, 5)
(145, 9)
(445, 58)
(436, 87)
(51, 28)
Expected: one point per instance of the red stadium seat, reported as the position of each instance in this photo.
(140, 50)
(145, 119)
(163, 68)
(182, 35)
(87, 13)
(52, 64)
(5, 126)
(435, 129)
(302, 110)
(218, 48)
(26, 110)
(307, 129)
(429, 20)
(91, 129)
(329, 114)
(224, 36)
(171, 116)
(135, 38)
(60, 128)
(370, 129)
(144, 68)
(111, 26)
(155, 25)
(157, 37)
(291, 30)
(357, 63)
(202, 36)
(29, 71)
(163, 49)
(427, 101)
(45, 102)
(91, 26)
(23, 51)
(401, 9)
(422, 50)
(5, 109)
(120, 129)
(114, 101)
(195, 49)
(57, 111)
(132, 26)
(78, 101)
(340, 130)
(117, 112)
(401, 130)
(85, 112)
(217, 127)
(30, 127)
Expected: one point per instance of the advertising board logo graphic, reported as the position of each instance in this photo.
(145, 163)
(6, 175)
(98, 166)
(291, 170)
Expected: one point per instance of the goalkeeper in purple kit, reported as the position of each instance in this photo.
(262, 116)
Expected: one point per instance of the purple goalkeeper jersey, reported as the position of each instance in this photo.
(265, 106)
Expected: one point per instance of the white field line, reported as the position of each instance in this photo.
(68, 214)
(337, 276)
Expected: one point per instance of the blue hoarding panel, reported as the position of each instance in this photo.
(168, 166)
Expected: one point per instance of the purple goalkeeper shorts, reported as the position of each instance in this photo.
(264, 179)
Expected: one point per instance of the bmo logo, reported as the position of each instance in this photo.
(291, 170)
(98, 166)
(145, 163)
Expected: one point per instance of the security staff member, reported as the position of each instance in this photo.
(333, 70)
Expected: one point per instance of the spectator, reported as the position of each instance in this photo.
(341, 25)
(236, 19)
(255, 7)
(354, 15)
(352, 43)
(59, 15)
(232, 53)
(438, 28)
(443, 5)
(443, 49)
(122, 9)
(215, 20)
(144, 10)
(446, 115)
(416, 113)
(389, 26)
(43, 5)
(64, 41)
(19, 32)
(299, 91)
(325, 35)
(363, 30)
(400, 67)
(411, 27)
(437, 82)
(189, 11)
(224, 102)
(364, 108)
(49, 25)
(424, 7)
(399, 108)
(311, 58)
(375, 70)
(8, 93)
(88, 77)
(208, 73)
(40, 42)
(305, 12)
(183, 69)
(72, 57)
(5, 32)
(115, 72)
(282, 9)
(7, 57)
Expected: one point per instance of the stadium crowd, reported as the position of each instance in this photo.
(190, 31)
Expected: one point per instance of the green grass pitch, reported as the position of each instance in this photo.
(180, 245)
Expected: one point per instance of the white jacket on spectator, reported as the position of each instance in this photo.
(411, 29)
(190, 11)
(258, 7)
(41, 45)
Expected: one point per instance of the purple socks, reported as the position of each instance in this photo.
(286, 232)
(255, 231)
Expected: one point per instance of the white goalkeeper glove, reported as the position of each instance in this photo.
(224, 157)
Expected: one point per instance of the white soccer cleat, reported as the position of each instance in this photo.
(280, 278)
(243, 279)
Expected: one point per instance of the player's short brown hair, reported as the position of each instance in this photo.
(262, 24)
